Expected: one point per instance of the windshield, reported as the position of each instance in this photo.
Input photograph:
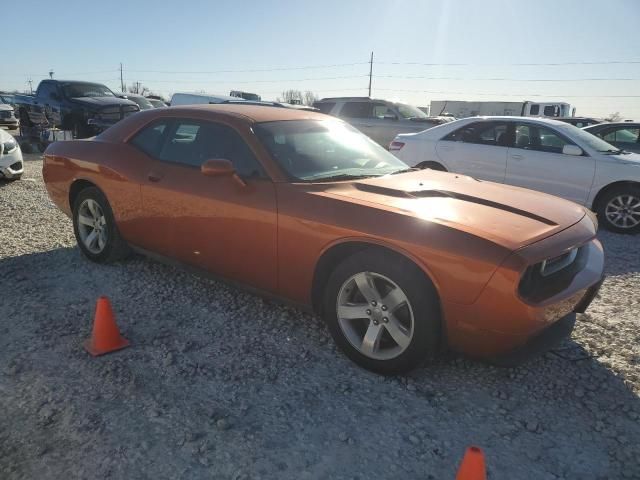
(312, 150)
(142, 102)
(582, 136)
(409, 111)
(74, 90)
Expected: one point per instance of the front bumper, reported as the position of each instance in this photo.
(11, 164)
(501, 321)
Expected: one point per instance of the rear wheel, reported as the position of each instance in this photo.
(619, 209)
(95, 228)
(382, 311)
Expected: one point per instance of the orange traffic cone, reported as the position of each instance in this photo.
(105, 337)
(472, 466)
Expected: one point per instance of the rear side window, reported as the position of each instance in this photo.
(192, 142)
(482, 133)
(149, 139)
(357, 110)
(534, 110)
(324, 107)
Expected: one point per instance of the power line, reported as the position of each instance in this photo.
(255, 81)
(504, 79)
(271, 69)
(508, 94)
(551, 64)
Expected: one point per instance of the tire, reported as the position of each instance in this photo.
(107, 245)
(619, 209)
(416, 321)
(433, 166)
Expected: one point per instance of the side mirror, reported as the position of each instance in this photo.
(220, 167)
(574, 150)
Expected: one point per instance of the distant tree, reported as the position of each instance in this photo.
(309, 98)
(613, 117)
(138, 88)
(291, 96)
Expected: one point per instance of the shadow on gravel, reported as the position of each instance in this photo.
(219, 383)
(622, 253)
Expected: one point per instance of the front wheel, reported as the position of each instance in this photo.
(619, 209)
(95, 228)
(382, 311)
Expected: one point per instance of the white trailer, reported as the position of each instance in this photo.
(462, 109)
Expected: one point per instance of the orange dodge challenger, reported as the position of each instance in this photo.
(301, 206)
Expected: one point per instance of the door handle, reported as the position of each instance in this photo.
(154, 177)
(517, 157)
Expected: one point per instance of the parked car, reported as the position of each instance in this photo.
(304, 207)
(245, 95)
(85, 108)
(199, 98)
(580, 122)
(624, 135)
(157, 103)
(143, 102)
(11, 164)
(8, 98)
(7, 116)
(541, 154)
(381, 120)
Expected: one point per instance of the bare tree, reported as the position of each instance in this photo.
(291, 96)
(613, 117)
(310, 98)
(138, 88)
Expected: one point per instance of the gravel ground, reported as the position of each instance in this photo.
(223, 384)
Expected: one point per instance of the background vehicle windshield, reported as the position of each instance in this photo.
(142, 102)
(73, 90)
(590, 139)
(311, 150)
(409, 111)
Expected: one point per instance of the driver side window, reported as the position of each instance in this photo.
(542, 139)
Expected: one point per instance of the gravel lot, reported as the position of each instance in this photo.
(222, 384)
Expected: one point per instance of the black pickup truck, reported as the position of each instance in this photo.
(85, 108)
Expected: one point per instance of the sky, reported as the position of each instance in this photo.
(584, 52)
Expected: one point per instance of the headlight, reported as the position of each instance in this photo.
(9, 146)
(547, 278)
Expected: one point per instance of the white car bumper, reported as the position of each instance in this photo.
(11, 164)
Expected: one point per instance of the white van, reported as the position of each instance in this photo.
(199, 98)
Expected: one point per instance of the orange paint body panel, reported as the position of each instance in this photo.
(474, 240)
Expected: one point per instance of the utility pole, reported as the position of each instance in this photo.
(121, 79)
(30, 82)
(370, 72)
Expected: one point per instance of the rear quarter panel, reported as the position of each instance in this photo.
(109, 166)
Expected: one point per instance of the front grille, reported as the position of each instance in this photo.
(113, 114)
(6, 114)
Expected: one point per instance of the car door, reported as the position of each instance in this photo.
(226, 225)
(359, 113)
(536, 161)
(624, 137)
(478, 149)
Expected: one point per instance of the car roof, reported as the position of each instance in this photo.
(550, 121)
(252, 112)
(617, 124)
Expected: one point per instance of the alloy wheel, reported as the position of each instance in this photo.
(623, 211)
(92, 226)
(375, 315)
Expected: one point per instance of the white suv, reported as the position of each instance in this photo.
(380, 120)
(536, 153)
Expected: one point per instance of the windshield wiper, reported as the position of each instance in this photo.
(405, 170)
(611, 151)
(339, 176)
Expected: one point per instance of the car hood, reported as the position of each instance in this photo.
(509, 216)
(4, 106)
(633, 158)
(102, 101)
